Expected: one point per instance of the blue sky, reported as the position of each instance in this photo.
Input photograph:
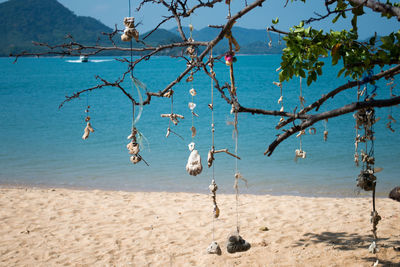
(113, 12)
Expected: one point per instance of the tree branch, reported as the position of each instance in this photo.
(330, 114)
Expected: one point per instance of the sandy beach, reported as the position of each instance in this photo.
(63, 227)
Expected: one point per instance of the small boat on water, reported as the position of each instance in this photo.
(84, 58)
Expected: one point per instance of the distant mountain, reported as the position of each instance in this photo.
(48, 21)
(251, 41)
(24, 21)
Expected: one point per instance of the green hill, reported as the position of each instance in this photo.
(48, 21)
(24, 21)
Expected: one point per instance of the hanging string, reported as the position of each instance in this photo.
(212, 132)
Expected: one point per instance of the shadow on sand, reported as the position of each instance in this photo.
(350, 241)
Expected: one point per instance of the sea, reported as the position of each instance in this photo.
(41, 144)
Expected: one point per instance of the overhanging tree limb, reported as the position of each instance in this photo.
(330, 114)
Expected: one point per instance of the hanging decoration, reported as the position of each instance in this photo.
(135, 136)
(173, 117)
(366, 180)
(88, 129)
(390, 117)
(193, 165)
(300, 153)
(325, 130)
(235, 242)
(130, 31)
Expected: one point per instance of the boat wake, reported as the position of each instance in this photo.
(90, 60)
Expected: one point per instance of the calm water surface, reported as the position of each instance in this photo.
(41, 145)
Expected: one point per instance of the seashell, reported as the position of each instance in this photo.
(214, 248)
(278, 69)
(192, 106)
(270, 43)
(125, 38)
(189, 79)
(216, 211)
(213, 187)
(237, 244)
(373, 248)
(191, 146)
(277, 84)
(281, 110)
(129, 22)
(193, 92)
(190, 50)
(302, 132)
(168, 132)
(211, 106)
(169, 93)
(281, 119)
(193, 166)
(325, 135)
(210, 158)
(356, 159)
(87, 118)
(376, 263)
(280, 99)
(300, 154)
(312, 130)
(190, 27)
(87, 131)
(133, 148)
(193, 129)
(135, 159)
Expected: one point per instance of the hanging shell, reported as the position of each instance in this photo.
(193, 166)
(193, 130)
(88, 129)
(216, 211)
(213, 187)
(193, 92)
(135, 159)
(192, 106)
(133, 148)
(300, 154)
(210, 158)
(130, 31)
(325, 135)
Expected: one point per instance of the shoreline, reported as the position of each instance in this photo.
(362, 195)
(51, 227)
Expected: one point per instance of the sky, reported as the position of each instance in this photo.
(113, 12)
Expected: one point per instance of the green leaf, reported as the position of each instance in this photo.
(309, 80)
(275, 21)
(336, 18)
(341, 71)
(302, 73)
(281, 76)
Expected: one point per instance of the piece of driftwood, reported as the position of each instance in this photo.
(210, 157)
(173, 117)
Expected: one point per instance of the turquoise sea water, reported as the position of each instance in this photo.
(42, 146)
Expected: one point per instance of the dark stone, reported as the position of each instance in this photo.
(395, 193)
(237, 244)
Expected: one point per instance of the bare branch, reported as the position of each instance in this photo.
(330, 114)
(385, 9)
(383, 74)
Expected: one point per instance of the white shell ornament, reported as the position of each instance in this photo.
(193, 92)
(192, 106)
(193, 166)
(88, 129)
